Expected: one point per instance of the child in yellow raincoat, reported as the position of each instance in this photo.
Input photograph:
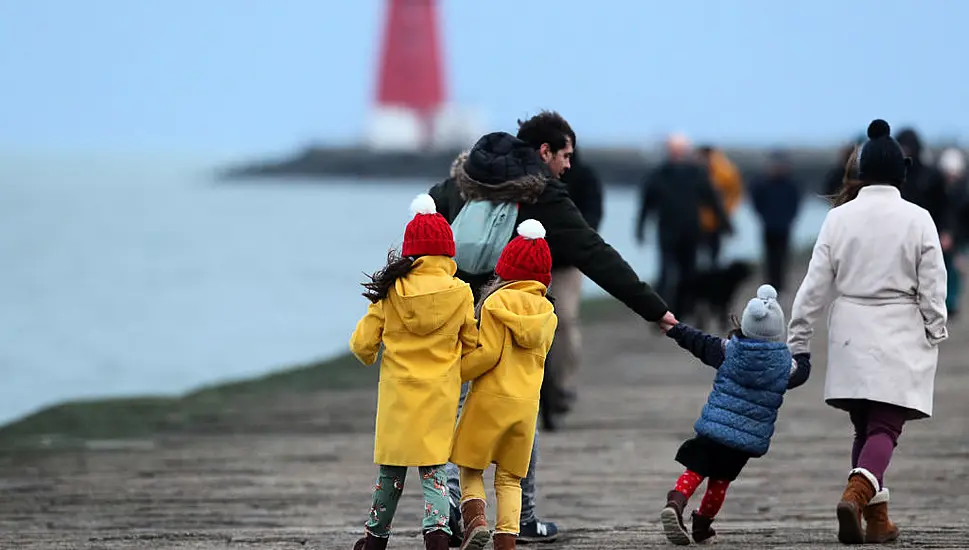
(517, 324)
(424, 317)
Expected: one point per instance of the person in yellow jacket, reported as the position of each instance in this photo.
(424, 317)
(726, 179)
(516, 326)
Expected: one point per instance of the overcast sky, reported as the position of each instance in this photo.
(261, 75)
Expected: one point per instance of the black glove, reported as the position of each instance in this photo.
(803, 371)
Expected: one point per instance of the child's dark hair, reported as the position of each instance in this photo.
(381, 281)
(736, 331)
(546, 127)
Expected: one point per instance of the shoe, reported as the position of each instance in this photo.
(504, 541)
(370, 542)
(436, 540)
(476, 533)
(672, 518)
(537, 531)
(861, 488)
(878, 528)
(703, 533)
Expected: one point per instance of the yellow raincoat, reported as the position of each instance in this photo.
(497, 424)
(426, 323)
(728, 183)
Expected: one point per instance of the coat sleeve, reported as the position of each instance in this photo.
(366, 338)
(707, 348)
(574, 242)
(812, 296)
(932, 285)
(469, 330)
(491, 342)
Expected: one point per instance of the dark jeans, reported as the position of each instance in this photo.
(777, 244)
(877, 428)
(677, 270)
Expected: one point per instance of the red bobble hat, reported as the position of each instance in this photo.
(428, 233)
(526, 257)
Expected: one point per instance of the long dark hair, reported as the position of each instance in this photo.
(488, 289)
(382, 280)
(850, 184)
(736, 330)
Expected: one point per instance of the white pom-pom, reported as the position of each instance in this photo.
(531, 229)
(767, 292)
(422, 204)
(757, 308)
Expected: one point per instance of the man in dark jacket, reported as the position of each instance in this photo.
(504, 168)
(776, 198)
(558, 389)
(924, 184)
(676, 190)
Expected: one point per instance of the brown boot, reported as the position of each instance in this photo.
(703, 533)
(476, 534)
(436, 540)
(861, 488)
(879, 528)
(672, 518)
(504, 541)
(370, 542)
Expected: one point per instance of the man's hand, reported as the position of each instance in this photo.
(667, 322)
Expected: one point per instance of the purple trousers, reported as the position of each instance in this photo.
(877, 427)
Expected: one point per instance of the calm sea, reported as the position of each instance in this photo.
(142, 275)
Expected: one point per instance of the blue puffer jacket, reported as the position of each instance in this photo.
(747, 393)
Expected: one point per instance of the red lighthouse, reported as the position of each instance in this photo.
(410, 87)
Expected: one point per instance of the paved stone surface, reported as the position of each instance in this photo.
(303, 481)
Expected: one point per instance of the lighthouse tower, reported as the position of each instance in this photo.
(411, 112)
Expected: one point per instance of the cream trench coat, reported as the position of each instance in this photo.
(879, 258)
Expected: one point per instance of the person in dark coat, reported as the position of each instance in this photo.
(676, 190)
(558, 390)
(585, 188)
(924, 184)
(776, 199)
(952, 164)
(525, 169)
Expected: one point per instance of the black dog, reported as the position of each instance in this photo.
(715, 289)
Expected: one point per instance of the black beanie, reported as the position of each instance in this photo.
(881, 159)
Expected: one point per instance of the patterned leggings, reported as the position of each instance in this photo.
(389, 487)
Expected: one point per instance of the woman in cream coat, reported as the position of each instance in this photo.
(878, 256)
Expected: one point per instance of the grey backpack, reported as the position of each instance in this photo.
(481, 230)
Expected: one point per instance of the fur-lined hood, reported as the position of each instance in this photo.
(500, 167)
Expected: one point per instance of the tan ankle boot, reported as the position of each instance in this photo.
(861, 488)
(505, 541)
(476, 534)
(879, 528)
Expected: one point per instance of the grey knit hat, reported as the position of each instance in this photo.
(763, 318)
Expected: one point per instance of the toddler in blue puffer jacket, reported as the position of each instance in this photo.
(754, 370)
